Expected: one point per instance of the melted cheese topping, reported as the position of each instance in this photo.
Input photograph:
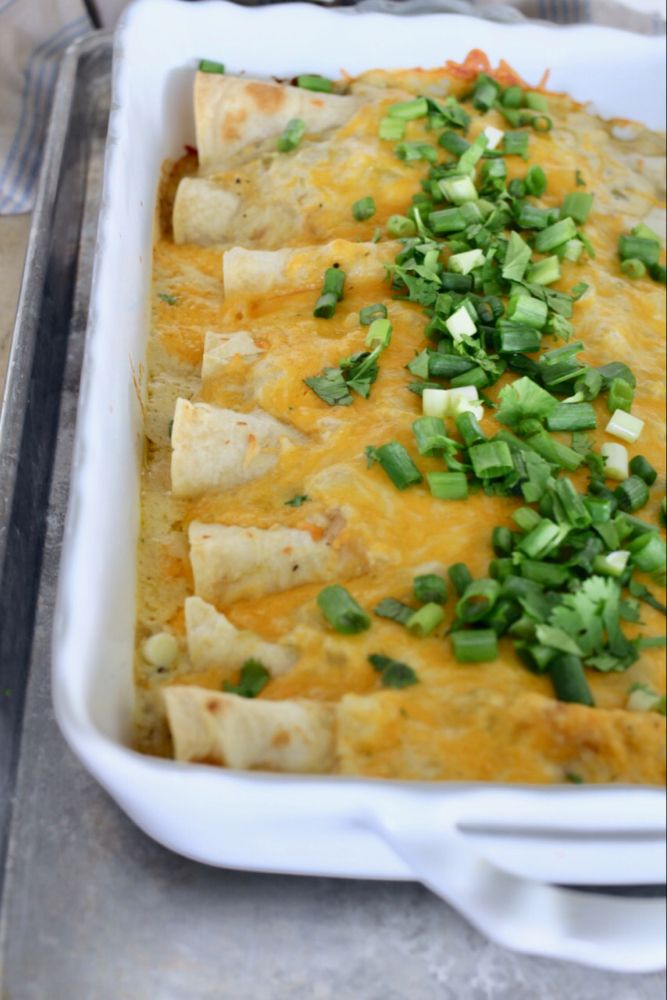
(493, 721)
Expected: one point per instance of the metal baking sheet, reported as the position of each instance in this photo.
(91, 908)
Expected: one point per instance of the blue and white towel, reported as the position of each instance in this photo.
(35, 33)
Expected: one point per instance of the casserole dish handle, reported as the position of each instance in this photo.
(605, 931)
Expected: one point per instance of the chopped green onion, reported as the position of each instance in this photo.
(458, 190)
(575, 509)
(485, 92)
(475, 645)
(502, 541)
(379, 332)
(532, 216)
(646, 232)
(648, 552)
(491, 459)
(429, 588)
(448, 220)
(555, 235)
(601, 509)
(640, 466)
(577, 206)
(554, 451)
(515, 143)
(632, 494)
(536, 181)
(410, 152)
(542, 123)
(370, 313)
(639, 248)
(398, 465)
(364, 209)
(424, 621)
(526, 310)
(546, 271)
(633, 267)
(541, 540)
(475, 376)
(513, 338)
(253, 678)
(612, 564)
(409, 110)
(332, 293)
(526, 518)
(210, 66)
(401, 226)
(430, 435)
(500, 569)
(572, 250)
(624, 426)
(464, 263)
(460, 577)
(460, 324)
(469, 428)
(621, 395)
(454, 143)
(658, 273)
(513, 97)
(448, 485)
(291, 136)
(536, 102)
(616, 460)
(569, 680)
(477, 600)
(311, 81)
(342, 611)
(517, 258)
(545, 573)
(572, 417)
(391, 129)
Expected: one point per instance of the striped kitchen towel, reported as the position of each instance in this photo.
(35, 33)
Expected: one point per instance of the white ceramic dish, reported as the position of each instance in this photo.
(487, 849)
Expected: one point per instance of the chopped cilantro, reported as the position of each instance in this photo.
(523, 399)
(171, 300)
(395, 610)
(393, 673)
(331, 387)
(297, 500)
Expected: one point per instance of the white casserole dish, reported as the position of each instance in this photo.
(515, 838)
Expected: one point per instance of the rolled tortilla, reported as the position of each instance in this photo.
(213, 728)
(262, 272)
(217, 449)
(214, 642)
(236, 113)
(220, 348)
(203, 212)
(231, 563)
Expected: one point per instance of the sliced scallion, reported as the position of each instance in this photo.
(311, 81)
(396, 462)
(475, 645)
(569, 680)
(342, 611)
(364, 209)
(291, 136)
(424, 621)
(429, 588)
(460, 577)
(448, 485)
